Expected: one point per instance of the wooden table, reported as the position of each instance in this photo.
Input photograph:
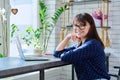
(11, 66)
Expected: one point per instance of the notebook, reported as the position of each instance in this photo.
(28, 58)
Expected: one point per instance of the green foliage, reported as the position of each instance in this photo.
(14, 29)
(46, 25)
(43, 13)
(59, 12)
(39, 37)
(33, 36)
(1, 55)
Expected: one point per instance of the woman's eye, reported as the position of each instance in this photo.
(83, 24)
(76, 25)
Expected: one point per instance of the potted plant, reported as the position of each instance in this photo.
(39, 37)
(31, 37)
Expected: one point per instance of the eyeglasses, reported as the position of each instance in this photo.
(81, 27)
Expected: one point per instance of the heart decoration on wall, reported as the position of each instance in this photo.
(14, 11)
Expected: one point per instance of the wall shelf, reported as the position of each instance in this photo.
(69, 26)
(86, 1)
(103, 27)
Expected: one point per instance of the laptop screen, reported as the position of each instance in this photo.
(19, 47)
(18, 43)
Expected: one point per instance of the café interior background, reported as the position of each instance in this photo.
(63, 73)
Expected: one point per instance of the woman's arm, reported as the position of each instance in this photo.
(63, 44)
(61, 47)
(84, 52)
(58, 53)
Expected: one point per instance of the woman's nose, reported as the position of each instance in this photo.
(76, 29)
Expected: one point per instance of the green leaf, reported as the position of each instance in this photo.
(29, 30)
(1, 55)
(14, 29)
(58, 13)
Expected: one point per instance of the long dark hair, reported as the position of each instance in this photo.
(85, 17)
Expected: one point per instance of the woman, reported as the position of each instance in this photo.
(88, 54)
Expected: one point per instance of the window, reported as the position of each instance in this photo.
(26, 16)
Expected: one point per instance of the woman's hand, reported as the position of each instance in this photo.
(73, 37)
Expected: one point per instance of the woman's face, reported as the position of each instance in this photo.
(81, 29)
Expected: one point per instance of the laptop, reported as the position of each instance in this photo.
(28, 58)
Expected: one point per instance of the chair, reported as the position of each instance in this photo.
(116, 75)
(107, 60)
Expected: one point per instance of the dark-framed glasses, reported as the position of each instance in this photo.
(81, 26)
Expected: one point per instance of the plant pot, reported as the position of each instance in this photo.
(38, 52)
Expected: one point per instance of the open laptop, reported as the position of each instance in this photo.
(28, 58)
